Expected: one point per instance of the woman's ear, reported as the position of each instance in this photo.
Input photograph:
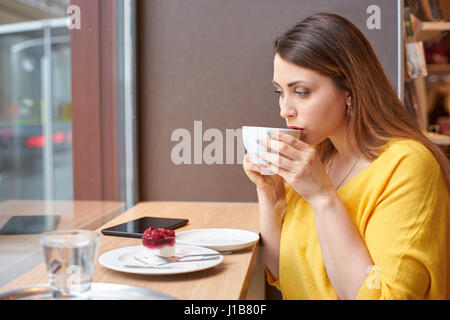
(349, 103)
(348, 100)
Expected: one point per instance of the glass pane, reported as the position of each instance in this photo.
(62, 115)
(35, 113)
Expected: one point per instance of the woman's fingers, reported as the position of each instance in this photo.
(250, 166)
(274, 159)
(284, 144)
(276, 163)
(280, 155)
(254, 172)
(279, 147)
(283, 153)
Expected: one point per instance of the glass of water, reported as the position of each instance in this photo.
(70, 256)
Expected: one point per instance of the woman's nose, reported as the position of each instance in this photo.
(287, 112)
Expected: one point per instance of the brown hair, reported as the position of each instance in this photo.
(332, 46)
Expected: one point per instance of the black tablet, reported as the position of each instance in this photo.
(30, 224)
(136, 228)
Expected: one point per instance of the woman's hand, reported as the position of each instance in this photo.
(298, 164)
(268, 183)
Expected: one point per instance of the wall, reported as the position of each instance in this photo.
(212, 61)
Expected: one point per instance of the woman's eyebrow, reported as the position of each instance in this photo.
(290, 84)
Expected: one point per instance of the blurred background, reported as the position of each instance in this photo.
(35, 100)
(88, 113)
(427, 80)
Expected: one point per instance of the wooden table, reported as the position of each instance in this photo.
(20, 253)
(239, 276)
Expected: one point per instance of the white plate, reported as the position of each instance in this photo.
(218, 239)
(122, 259)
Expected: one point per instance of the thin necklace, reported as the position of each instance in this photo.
(329, 169)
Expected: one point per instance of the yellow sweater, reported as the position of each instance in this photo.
(399, 204)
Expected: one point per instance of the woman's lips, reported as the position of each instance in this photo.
(297, 128)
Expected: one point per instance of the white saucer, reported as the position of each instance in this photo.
(123, 260)
(218, 238)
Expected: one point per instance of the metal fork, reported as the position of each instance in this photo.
(167, 262)
(177, 259)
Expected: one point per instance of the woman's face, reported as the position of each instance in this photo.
(309, 100)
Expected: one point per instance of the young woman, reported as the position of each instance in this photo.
(358, 208)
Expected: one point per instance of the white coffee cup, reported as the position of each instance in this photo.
(251, 135)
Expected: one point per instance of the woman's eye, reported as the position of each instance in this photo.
(299, 92)
(302, 93)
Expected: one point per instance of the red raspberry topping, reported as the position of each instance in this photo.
(157, 238)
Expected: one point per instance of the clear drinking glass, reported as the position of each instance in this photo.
(70, 256)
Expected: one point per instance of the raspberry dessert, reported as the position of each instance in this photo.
(160, 241)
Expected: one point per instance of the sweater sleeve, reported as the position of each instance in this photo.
(271, 280)
(406, 233)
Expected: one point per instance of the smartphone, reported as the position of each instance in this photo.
(30, 224)
(136, 228)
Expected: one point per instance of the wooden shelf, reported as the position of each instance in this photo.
(439, 139)
(424, 30)
(438, 67)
